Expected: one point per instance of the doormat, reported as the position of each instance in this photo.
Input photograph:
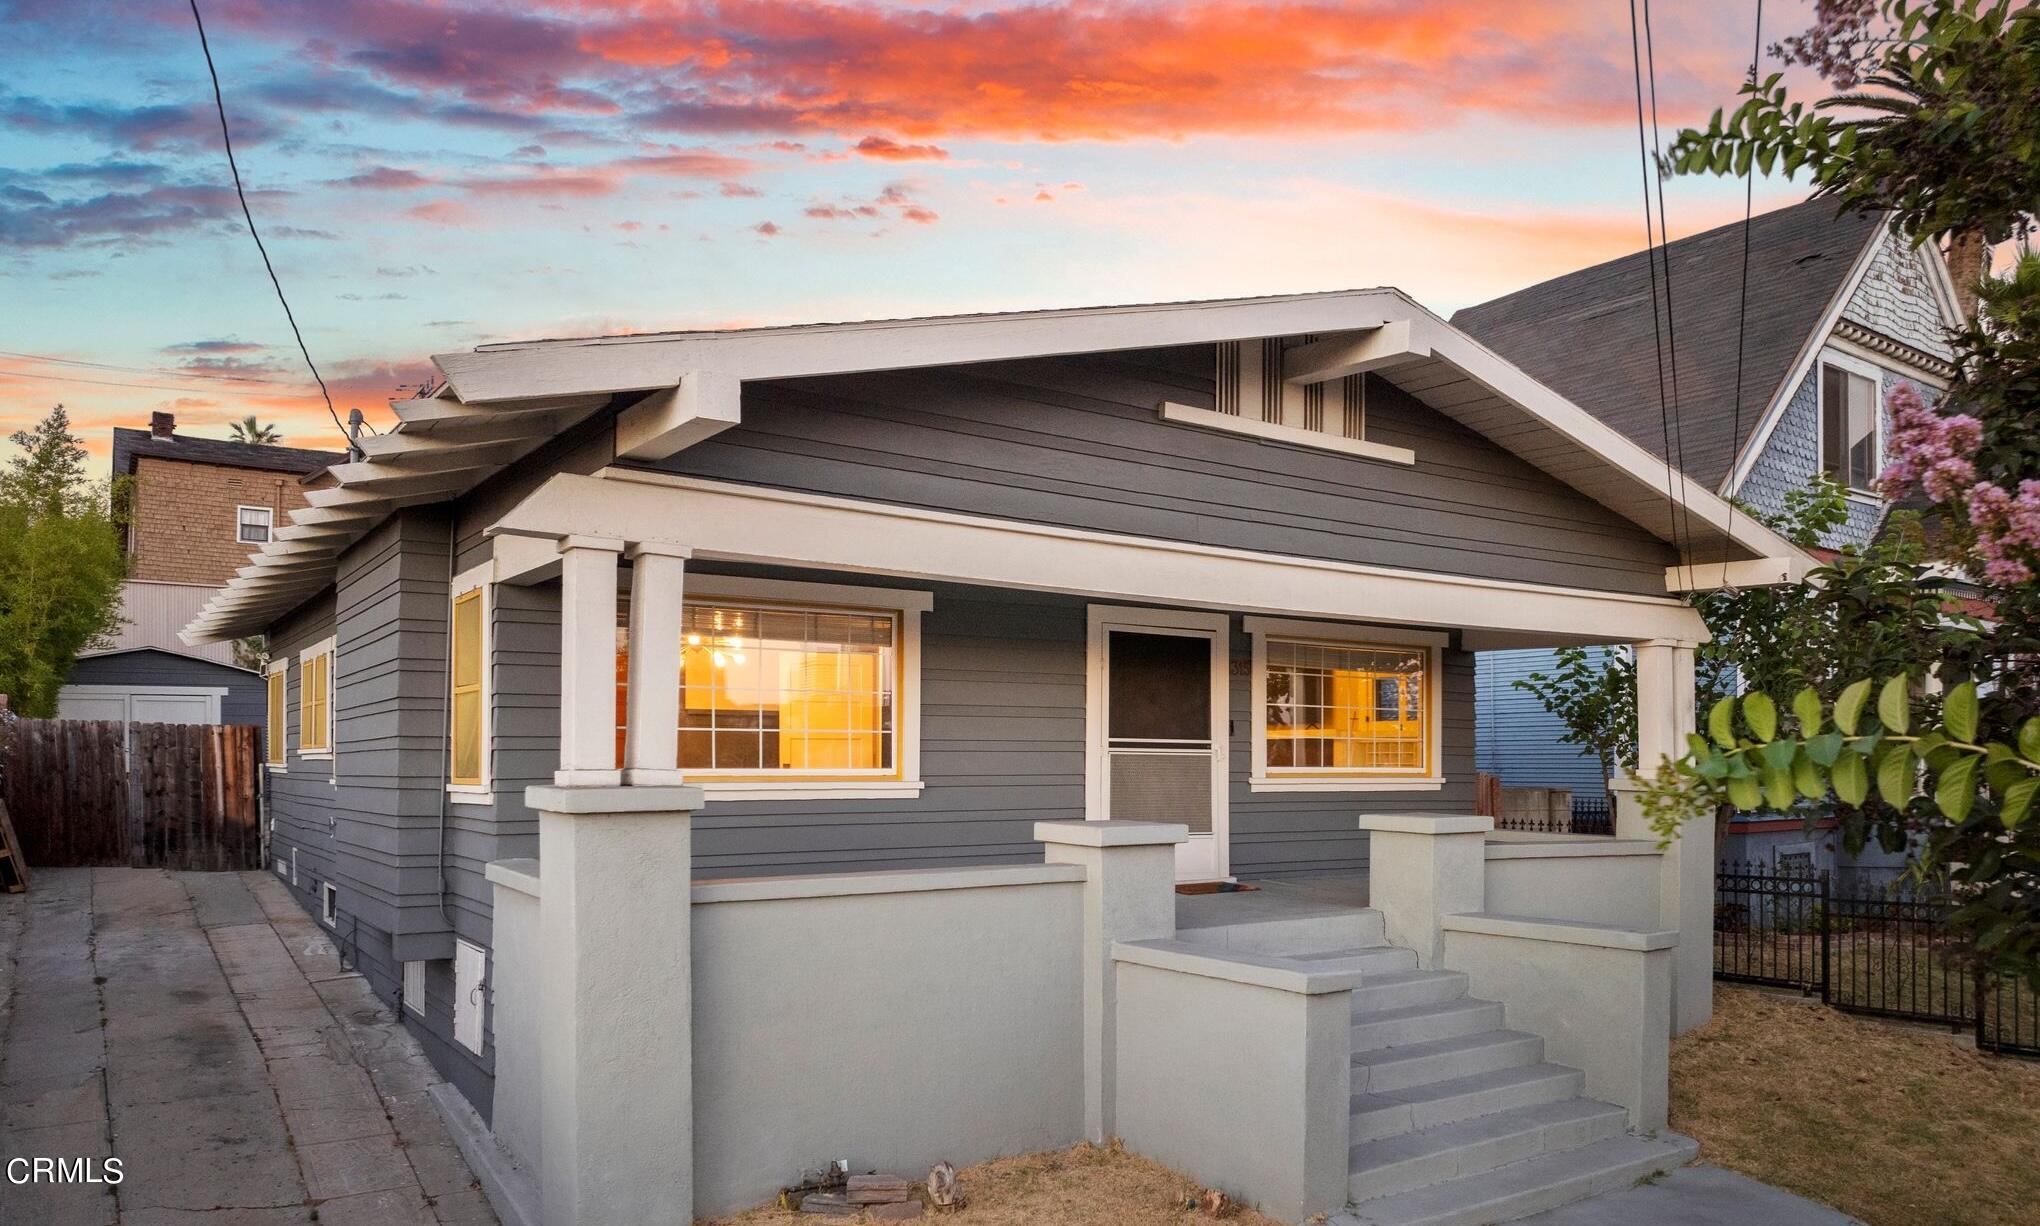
(1215, 887)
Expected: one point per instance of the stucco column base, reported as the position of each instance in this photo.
(1685, 903)
(615, 995)
(1422, 867)
(1129, 895)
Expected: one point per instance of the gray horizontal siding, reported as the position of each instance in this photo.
(1077, 442)
(1517, 738)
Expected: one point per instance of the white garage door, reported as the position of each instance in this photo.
(165, 708)
(138, 704)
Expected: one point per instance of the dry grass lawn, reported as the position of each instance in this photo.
(1896, 1125)
(1085, 1184)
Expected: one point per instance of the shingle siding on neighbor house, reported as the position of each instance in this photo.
(1896, 297)
(1078, 442)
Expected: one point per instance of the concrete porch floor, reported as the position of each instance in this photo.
(197, 1027)
(1310, 896)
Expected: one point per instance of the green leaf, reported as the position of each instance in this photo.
(1852, 779)
(1745, 794)
(1849, 707)
(1711, 766)
(1808, 778)
(1895, 776)
(1778, 755)
(2029, 739)
(1825, 748)
(1928, 742)
(2018, 802)
(1894, 704)
(1958, 712)
(1806, 707)
(1955, 793)
(1778, 788)
(1721, 723)
(1761, 714)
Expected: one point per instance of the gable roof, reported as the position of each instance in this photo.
(500, 403)
(1590, 336)
(130, 445)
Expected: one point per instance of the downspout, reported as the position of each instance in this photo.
(446, 710)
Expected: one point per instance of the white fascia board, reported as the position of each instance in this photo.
(736, 523)
(643, 363)
(1756, 572)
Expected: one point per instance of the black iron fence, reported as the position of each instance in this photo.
(1885, 952)
(1593, 815)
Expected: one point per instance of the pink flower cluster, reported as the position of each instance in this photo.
(1934, 450)
(2007, 530)
(1928, 447)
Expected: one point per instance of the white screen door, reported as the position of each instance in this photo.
(1158, 730)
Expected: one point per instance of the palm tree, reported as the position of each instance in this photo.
(248, 430)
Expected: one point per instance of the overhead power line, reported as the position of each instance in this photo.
(43, 376)
(1742, 316)
(167, 371)
(227, 140)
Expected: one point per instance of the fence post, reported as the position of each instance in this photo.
(1981, 1043)
(1827, 927)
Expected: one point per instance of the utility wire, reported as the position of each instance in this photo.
(1743, 303)
(1678, 429)
(1650, 259)
(166, 371)
(227, 140)
(187, 389)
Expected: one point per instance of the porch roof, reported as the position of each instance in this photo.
(500, 402)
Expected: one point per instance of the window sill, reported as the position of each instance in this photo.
(819, 789)
(479, 795)
(315, 755)
(277, 768)
(1271, 432)
(1275, 783)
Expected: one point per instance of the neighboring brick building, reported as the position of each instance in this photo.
(198, 508)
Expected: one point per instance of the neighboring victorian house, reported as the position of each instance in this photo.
(1839, 310)
(198, 509)
(859, 610)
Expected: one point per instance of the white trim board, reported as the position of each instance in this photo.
(741, 523)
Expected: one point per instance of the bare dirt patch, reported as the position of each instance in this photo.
(1083, 1184)
(1896, 1125)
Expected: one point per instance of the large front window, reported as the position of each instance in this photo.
(786, 691)
(1340, 708)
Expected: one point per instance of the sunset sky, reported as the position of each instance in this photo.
(433, 175)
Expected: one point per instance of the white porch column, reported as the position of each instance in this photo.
(651, 740)
(1664, 718)
(1129, 895)
(588, 662)
(615, 999)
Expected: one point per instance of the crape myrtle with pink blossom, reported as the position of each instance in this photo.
(1937, 130)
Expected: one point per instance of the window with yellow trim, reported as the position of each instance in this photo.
(315, 704)
(273, 731)
(774, 691)
(1347, 708)
(466, 724)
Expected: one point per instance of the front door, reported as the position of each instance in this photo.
(1157, 728)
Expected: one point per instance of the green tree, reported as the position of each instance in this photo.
(1945, 140)
(249, 430)
(49, 474)
(61, 566)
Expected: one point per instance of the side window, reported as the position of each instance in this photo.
(274, 731)
(1848, 427)
(315, 701)
(253, 524)
(468, 670)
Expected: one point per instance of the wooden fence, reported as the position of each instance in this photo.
(182, 796)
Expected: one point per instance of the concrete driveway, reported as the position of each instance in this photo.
(196, 1027)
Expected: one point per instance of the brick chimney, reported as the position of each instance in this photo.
(163, 425)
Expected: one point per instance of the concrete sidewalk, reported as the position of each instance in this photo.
(1698, 1195)
(197, 1027)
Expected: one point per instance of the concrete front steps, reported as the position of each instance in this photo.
(1458, 1121)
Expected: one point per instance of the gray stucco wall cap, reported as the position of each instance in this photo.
(1111, 834)
(1258, 970)
(519, 875)
(1563, 932)
(597, 801)
(1428, 823)
(1504, 845)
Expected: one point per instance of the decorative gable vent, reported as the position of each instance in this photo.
(1250, 385)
